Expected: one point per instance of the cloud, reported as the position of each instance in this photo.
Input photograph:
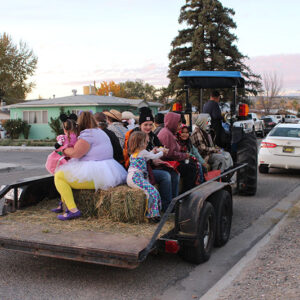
(152, 73)
(287, 66)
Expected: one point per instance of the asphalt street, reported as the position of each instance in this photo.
(23, 276)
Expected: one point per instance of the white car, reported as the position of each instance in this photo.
(291, 119)
(280, 149)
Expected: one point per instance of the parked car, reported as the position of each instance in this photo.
(259, 126)
(277, 118)
(291, 119)
(280, 149)
(269, 123)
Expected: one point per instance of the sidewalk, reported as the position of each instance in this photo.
(271, 270)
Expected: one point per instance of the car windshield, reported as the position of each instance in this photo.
(286, 132)
(267, 119)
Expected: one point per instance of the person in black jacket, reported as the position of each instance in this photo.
(212, 108)
(118, 151)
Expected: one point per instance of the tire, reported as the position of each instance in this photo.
(263, 169)
(201, 249)
(247, 176)
(222, 203)
(262, 133)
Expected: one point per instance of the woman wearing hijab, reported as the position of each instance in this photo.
(186, 146)
(217, 158)
(167, 136)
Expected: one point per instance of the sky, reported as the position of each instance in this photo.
(79, 42)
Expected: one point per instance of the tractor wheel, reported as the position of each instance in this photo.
(201, 248)
(247, 176)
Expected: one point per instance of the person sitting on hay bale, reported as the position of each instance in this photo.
(138, 175)
(159, 172)
(92, 165)
(117, 149)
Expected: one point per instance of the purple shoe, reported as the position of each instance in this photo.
(70, 215)
(59, 209)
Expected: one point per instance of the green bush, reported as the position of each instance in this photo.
(55, 123)
(26, 129)
(13, 128)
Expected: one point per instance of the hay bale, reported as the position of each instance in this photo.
(86, 201)
(122, 204)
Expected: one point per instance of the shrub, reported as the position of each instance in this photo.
(55, 124)
(26, 129)
(13, 128)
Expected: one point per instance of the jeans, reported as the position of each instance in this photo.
(168, 186)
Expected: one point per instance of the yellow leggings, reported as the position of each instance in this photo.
(65, 187)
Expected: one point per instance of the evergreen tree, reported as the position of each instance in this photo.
(207, 44)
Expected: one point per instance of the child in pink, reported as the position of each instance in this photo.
(69, 138)
(66, 140)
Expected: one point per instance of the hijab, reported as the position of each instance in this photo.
(203, 121)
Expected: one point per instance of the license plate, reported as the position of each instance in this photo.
(287, 149)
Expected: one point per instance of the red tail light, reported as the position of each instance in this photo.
(171, 246)
(271, 123)
(177, 107)
(243, 110)
(267, 145)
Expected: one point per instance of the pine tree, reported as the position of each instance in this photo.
(207, 44)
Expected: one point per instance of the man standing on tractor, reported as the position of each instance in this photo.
(212, 108)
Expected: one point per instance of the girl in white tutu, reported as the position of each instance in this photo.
(92, 165)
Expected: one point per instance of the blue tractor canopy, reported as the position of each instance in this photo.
(212, 79)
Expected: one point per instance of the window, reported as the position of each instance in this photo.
(76, 111)
(285, 132)
(36, 116)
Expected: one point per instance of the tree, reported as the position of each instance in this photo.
(109, 87)
(138, 90)
(17, 64)
(272, 86)
(207, 44)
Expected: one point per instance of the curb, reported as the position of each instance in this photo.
(26, 148)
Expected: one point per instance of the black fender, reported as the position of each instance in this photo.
(189, 208)
(33, 193)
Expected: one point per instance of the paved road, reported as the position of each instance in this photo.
(28, 277)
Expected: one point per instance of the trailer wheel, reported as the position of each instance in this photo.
(201, 249)
(222, 203)
(247, 177)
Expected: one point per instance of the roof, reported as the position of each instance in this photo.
(84, 100)
(212, 79)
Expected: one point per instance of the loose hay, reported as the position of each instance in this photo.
(42, 216)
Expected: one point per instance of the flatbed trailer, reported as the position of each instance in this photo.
(189, 233)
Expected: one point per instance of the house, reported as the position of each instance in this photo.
(38, 113)
(4, 115)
